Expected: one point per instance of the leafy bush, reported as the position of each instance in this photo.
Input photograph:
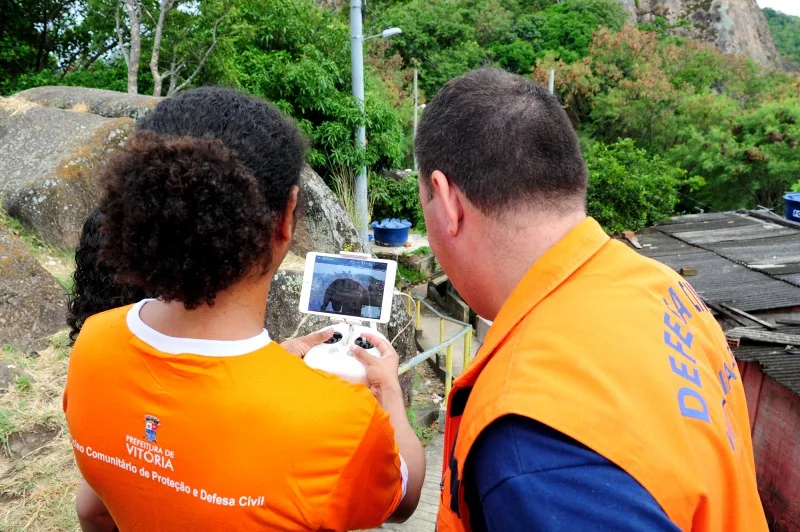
(628, 188)
(102, 75)
(397, 198)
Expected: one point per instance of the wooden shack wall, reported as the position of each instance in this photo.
(775, 427)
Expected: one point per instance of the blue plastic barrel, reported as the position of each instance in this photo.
(792, 200)
(391, 232)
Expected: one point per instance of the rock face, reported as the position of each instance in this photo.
(32, 303)
(323, 225)
(109, 104)
(284, 319)
(50, 160)
(735, 26)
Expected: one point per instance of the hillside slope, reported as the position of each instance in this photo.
(785, 31)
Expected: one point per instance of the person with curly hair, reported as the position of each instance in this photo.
(95, 288)
(183, 414)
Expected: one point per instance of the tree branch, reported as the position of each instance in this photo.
(165, 6)
(203, 60)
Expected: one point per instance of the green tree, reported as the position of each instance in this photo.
(41, 35)
(629, 188)
(568, 27)
(297, 55)
(751, 160)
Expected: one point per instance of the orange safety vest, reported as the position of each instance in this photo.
(618, 352)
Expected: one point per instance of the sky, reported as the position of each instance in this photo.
(790, 7)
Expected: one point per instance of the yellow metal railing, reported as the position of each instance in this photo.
(445, 345)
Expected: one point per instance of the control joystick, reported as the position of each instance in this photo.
(335, 339)
(334, 356)
(363, 343)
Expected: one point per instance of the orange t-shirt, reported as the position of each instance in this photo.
(182, 434)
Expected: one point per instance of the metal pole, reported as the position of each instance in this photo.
(466, 350)
(448, 375)
(441, 331)
(416, 107)
(357, 76)
(551, 78)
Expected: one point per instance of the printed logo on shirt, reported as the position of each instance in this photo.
(151, 424)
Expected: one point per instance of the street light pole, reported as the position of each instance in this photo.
(416, 103)
(357, 77)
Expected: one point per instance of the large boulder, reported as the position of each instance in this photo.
(323, 224)
(110, 104)
(50, 161)
(32, 303)
(55, 140)
(284, 319)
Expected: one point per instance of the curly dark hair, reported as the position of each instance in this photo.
(190, 202)
(96, 289)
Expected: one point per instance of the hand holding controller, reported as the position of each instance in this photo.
(335, 356)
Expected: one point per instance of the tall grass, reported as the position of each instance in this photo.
(344, 186)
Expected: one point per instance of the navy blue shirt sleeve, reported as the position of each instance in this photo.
(522, 475)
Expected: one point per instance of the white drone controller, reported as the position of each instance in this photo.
(353, 290)
(335, 356)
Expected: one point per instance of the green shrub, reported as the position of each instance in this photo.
(397, 198)
(629, 188)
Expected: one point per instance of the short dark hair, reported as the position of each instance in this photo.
(95, 287)
(503, 140)
(190, 202)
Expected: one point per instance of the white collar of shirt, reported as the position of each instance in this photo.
(194, 346)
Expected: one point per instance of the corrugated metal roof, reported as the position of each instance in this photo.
(743, 261)
(775, 360)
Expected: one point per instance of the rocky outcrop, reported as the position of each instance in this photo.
(50, 161)
(109, 104)
(32, 303)
(284, 319)
(735, 26)
(323, 225)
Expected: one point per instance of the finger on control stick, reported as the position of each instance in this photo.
(377, 341)
(362, 355)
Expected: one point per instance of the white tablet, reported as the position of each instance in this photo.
(348, 288)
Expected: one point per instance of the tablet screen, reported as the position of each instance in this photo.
(348, 287)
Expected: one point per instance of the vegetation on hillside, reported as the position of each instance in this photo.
(724, 128)
(785, 30)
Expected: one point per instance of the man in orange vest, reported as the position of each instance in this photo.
(604, 396)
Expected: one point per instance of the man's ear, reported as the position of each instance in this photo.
(286, 224)
(451, 200)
